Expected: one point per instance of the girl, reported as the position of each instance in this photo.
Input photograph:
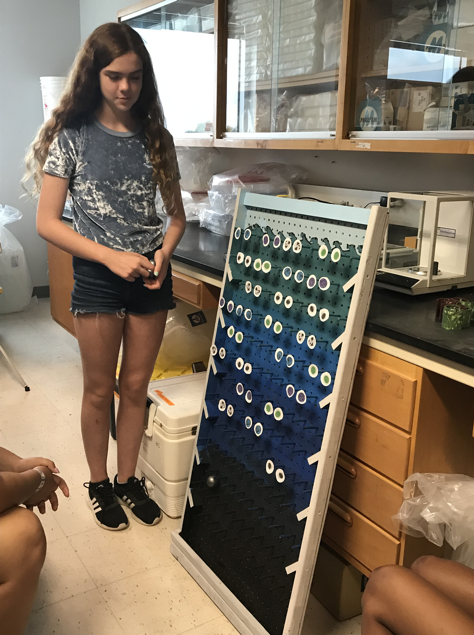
(106, 143)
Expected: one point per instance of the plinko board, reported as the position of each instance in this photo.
(297, 286)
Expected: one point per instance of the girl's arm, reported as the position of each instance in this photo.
(177, 223)
(174, 233)
(50, 227)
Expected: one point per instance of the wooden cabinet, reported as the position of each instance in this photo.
(60, 286)
(361, 75)
(402, 419)
(195, 292)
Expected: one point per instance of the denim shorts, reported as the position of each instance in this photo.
(99, 290)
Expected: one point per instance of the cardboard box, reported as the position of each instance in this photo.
(420, 99)
(400, 98)
(337, 585)
(437, 119)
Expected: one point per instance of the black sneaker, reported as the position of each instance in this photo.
(134, 495)
(105, 506)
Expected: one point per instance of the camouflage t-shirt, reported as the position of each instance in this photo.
(110, 180)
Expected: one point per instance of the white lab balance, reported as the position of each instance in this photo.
(428, 242)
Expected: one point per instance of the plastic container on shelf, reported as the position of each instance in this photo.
(51, 89)
(166, 452)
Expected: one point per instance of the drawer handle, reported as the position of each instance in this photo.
(340, 513)
(353, 420)
(359, 370)
(346, 467)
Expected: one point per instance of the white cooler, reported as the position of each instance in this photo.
(167, 447)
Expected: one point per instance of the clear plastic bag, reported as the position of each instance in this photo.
(14, 273)
(194, 205)
(263, 178)
(216, 222)
(196, 165)
(439, 507)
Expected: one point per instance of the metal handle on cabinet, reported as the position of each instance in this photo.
(353, 420)
(346, 467)
(340, 513)
(360, 370)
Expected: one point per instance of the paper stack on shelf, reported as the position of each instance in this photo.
(310, 36)
(301, 27)
(313, 112)
(251, 21)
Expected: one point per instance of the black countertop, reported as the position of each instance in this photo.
(411, 320)
(202, 249)
(404, 318)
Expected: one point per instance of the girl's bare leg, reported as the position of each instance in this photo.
(99, 337)
(22, 554)
(142, 338)
(452, 579)
(400, 602)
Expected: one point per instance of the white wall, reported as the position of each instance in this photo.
(37, 38)
(94, 13)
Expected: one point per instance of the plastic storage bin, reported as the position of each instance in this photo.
(168, 443)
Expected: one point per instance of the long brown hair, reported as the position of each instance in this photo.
(82, 96)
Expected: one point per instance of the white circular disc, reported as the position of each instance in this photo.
(297, 246)
(279, 354)
(258, 429)
(268, 409)
(300, 337)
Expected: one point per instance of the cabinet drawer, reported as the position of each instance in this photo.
(196, 292)
(361, 538)
(367, 491)
(385, 393)
(377, 444)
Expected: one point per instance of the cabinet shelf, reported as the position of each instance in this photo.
(314, 79)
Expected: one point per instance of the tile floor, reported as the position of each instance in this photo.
(96, 582)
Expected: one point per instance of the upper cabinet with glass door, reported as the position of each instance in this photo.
(412, 76)
(282, 72)
(179, 35)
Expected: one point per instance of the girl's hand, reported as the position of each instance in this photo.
(45, 492)
(127, 265)
(36, 461)
(48, 492)
(159, 270)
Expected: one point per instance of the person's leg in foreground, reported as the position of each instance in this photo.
(435, 597)
(22, 554)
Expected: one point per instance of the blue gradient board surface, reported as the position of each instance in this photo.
(297, 284)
